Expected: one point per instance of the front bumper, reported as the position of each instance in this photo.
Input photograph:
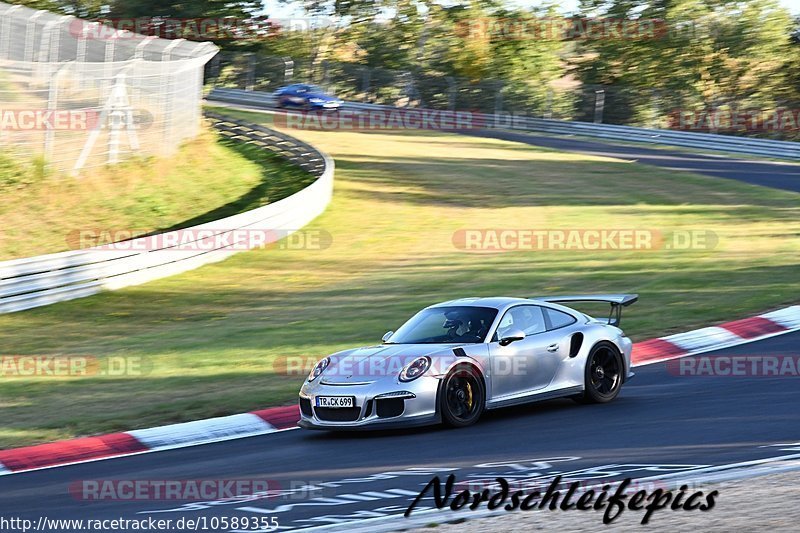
(379, 404)
(324, 105)
(374, 425)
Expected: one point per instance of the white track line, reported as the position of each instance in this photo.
(708, 475)
(5, 472)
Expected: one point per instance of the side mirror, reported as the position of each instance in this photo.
(511, 336)
(387, 336)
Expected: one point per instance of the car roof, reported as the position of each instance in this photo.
(497, 302)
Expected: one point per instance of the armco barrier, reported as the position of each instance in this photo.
(701, 141)
(46, 279)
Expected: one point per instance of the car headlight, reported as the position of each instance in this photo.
(318, 369)
(415, 369)
(315, 100)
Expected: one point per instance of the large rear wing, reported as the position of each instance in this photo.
(617, 301)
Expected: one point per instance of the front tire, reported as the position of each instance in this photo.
(462, 397)
(603, 374)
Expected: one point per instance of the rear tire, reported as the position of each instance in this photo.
(462, 397)
(603, 375)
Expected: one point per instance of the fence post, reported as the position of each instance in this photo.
(80, 52)
(52, 105)
(117, 117)
(5, 44)
(138, 52)
(215, 68)
(30, 33)
(168, 97)
(51, 39)
(108, 72)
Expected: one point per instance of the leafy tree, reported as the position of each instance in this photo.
(718, 54)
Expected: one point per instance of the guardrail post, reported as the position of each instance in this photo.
(498, 98)
(655, 100)
(451, 92)
(366, 78)
(712, 122)
(250, 80)
(288, 69)
(599, 105)
(548, 104)
(325, 81)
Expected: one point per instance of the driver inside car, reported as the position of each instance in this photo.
(475, 330)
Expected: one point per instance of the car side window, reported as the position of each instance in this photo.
(528, 318)
(558, 319)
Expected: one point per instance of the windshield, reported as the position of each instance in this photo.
(309, 89)
(435, 325)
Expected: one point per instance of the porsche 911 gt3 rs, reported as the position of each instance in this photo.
(452, 361)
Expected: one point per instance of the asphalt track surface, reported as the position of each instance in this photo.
(661, 422)
(775, 174)
(779, 175)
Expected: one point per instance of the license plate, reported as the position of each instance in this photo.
(336, 401)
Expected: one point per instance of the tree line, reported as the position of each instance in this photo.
(668, 63)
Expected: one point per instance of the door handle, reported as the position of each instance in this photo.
(552, 348)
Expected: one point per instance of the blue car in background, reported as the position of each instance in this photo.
(306, 96)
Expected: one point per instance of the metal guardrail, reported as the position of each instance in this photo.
(700, 141)
(46, 279)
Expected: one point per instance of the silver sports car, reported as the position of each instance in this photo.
(453, 360)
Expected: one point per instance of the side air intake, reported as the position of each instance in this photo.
(575, 344)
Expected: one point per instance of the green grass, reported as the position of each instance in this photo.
(210, 336)
(209, 178)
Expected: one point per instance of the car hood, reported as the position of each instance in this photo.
(372, 363)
